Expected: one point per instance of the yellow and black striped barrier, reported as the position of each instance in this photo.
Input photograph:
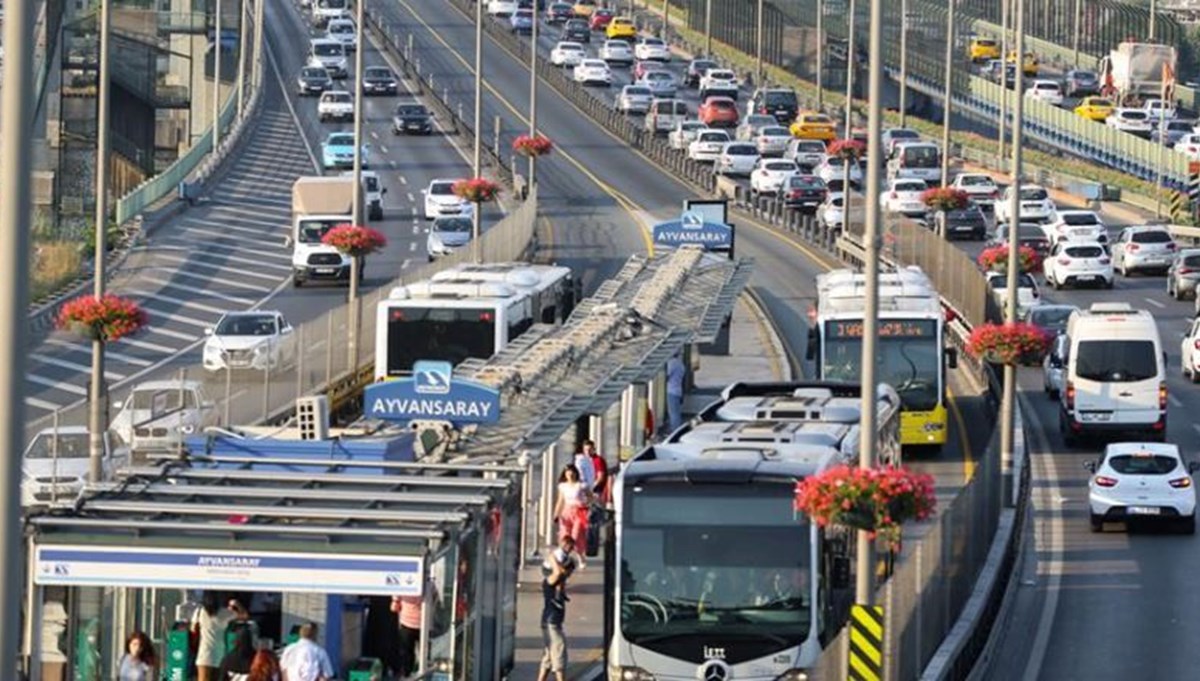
(866, 643)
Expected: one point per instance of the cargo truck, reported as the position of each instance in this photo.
(318, 205)
(1134, 71)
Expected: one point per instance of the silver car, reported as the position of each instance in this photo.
(660, 83)
(634, 99)
(1054, 366)
(1143, 247)
(1183, 274)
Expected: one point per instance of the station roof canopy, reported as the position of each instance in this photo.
(281, 504)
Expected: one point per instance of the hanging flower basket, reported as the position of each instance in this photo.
(848, 149)
(476, 190)
(108, 318)
(995, 258)
(945, 199)
(353, 240)
(1016, 343)
(878, 500)
(532, 147)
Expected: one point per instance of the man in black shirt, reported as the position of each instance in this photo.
(554, 609)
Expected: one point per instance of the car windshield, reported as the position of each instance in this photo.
(780, 166)
(921, 156)
(246, 325)
(1100, 103)
(1078, 219)
(69, 446)
(346, 140)
(1180, 126)
(810, 147)
(1116, 361)
(570, 47)
(377, 72)
(652, 42)
(341, 28)
(834, 161)
(1046, 86)
(161, 400)
(331, 4)
(786, 98)
(690, 125)
(713, 137)
(717, 74)
(1050, 316)
(985, 43)
(456, 225)
(328, 50)
(1083, 75)
(701, 65)
(337, 97)
(819, 119)
(1084, 251)
(1151, 236)
(441, 188)
(1033, 194)
(315, 72)
(740, 150)
(975, 181)
(1191, 260)
(910, 186)
(1142, 464)
(658, 75)
(593, 64)
(637, 91)
(806, 182)
(1000, 281)
(1134, 115)
(411, 110)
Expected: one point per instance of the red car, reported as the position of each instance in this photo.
(600, 19)
(719, 112)
(641, 67)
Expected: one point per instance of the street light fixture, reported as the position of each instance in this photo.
(97, 399)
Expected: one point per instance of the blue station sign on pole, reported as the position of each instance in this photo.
(693, 229)
(432, 394)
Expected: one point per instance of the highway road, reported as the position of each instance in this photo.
(589, 166)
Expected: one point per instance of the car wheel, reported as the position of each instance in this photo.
(1188, 525)
(297, 282)
(1096, 522)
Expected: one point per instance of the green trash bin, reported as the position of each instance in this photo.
(175, 657)
(365, 669)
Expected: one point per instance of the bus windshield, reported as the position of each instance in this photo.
(909, 358)
(447, 334)
(705, 560)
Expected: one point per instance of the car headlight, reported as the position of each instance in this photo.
(793, 675)
(630, 674)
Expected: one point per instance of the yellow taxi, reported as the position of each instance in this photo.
(1095, 108)
(584, 8)
(621, 28)
(1029, 65)
(810, 125)
(983, 49)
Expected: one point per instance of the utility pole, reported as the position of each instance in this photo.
(1153, 19)
(1075, 33)
(947, 100)
(241, 76)
(97, 407)
(533, 89)
(216, 89)
(820, 54)
(360, 112)
(903, 62)
(476, 218)
(708, 28)
(16, 121)
(850, 76)
(1004, 6)
(259, 47)
(1008, 402)
(865, 578)
(758, 44)
(666, 25)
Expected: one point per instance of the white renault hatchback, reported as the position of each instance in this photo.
(1135, 480)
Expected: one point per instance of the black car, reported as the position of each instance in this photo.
(805, 193)
(412, 119)
(1029, 234)
(778, 102)
(576, 31)
(968, 223)
(313, 80)
(696, 69)
(559, 12)
(379, 80)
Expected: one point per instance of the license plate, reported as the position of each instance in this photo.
(1086, 277)
(1080, 232)
(325, 270)
(1144, 510)
(1096, 417)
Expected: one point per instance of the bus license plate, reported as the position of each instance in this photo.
(1144, 510)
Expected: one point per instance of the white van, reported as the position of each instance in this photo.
(916, 159)
(1115, 376)
(664, 114)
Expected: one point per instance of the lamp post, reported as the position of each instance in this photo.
(708, 28)
(216, 89)
(241, 76)
(903, 62)
(1008, 399)
(477, 159)
(758, 43)
(1004, 6)
(850, 70)
(947, 101)
(97, 408)
(820, 54)
(357, 203)
(865, 579)
(533, 89)
(1075, 33)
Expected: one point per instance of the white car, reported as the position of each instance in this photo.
(903, 196)
(1132, 121)
(772, 140)
(1035, 204)
(652, 49)
(719, 82)
(1048, 91)
(567, 54)
(1074, 263)
(258, 340)
(982, 189)
(329, 55)
(1189, 145)
(831, 211)
(335, 105)
(502, 8)
(1028, 295)
(593, 72)
(344, 31)
(1141, 480)
(1054, 365)
(708, 145)
(1075, 225)
(616, 51)
(684, 133)
(1143, 247)
(158, 413)
(56, 463)
(633, 99)
(1158, 111)
(736, 158)
(809, 153)
(769, 174)
(832, 171)
(441, 201)
(661, 84)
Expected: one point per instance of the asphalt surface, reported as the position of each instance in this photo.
(228, 252)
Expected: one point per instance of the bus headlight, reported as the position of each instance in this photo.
(617, 673)
(793, 675)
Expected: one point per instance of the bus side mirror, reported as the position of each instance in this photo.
(840, 573)
(810, 352)
(952, 358)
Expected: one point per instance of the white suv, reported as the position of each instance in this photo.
(257, 340)
(335, 105)
(1072, 263)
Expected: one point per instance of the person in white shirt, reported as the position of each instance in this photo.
(209, 623)
(304, 660)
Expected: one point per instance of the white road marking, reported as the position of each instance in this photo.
(248, 261)
(179, 301)
(171, 333)
(406, 263)
(382, 148)
(66, 364)
(1175, 401)
(42, 404)
(412, 246)
(176, 318)
(1052, 563)
(238, 224)
(147, 345)
(262, 243)
(190, 246)
(57, 385)
(237, 271)
(108, 352)
(1155, 303)
(411, 198)
(403, 179)
(209, 280)
(416, 229)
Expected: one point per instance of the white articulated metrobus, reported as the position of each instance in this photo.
(468, 311)
(712, 573)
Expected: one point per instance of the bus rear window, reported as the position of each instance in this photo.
(448, 334)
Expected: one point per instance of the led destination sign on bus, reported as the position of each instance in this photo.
(891, 328)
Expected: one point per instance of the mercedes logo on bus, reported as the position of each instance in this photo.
(714, 670)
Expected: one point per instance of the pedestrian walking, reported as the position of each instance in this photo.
(209, 623)
(573, 506)
(587, 471)
(676, 373)
(554, 611)
(600, 497)
(409, 611)
(304, 660)
(139, 662)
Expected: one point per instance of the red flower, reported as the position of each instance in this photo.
(1008, 343)
(537, 145)
(850, 149)
(879, 500)
(945, 198)
(108, 318)
(476, 190)
(354, 240)
(996, 258)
